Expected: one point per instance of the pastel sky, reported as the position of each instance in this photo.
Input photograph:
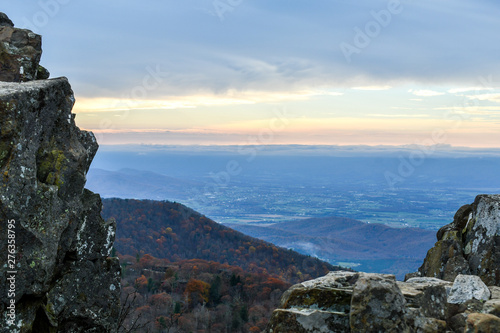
(335, 72)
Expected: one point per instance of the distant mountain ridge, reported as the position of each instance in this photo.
(138, 184)
(376, 247)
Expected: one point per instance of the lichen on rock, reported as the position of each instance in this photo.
(20, 53)
(64, 272)
(468, 245)
(467, 287)
(379, 303)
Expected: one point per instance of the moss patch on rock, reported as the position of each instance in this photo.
(51, 166)
(328, 299)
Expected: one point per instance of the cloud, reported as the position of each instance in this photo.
(294, 46)
(152, 130)
(174, 63)
(461, 90)
(372, 131)
(192, 101)
(399, 115)
(470, 109)
(373, 88)
(425, 93)
(486, 97)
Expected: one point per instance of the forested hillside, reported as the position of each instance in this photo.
(195, 296)
(172, 231)
(183, 272)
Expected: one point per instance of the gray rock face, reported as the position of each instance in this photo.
(339, 301)
(319, 305)
(482, 323)
(65, 281)
(469, 245)
(5, 21)
(426, 303)
(20, 53)
(377, 305)
(467, 287)
(492, 307)
(362, 302)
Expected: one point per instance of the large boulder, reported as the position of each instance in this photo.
(467, 287)
(64, 278)
(319, 305)
(482, 323)
(468, 245)
(426, 302)
(340, 302)
(20, 53)
(363, 302)
(5, 21)
(377, 305)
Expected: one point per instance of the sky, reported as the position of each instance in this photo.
(326, 72)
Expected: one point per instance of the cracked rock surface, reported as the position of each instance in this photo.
(65, 281)
(20, 53)
(469, 245)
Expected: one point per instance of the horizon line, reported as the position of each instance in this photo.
(442, 146)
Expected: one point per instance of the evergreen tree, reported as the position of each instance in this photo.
(214, 294)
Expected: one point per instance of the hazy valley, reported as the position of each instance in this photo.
(262, 194)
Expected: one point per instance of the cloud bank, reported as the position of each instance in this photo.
(108, 48)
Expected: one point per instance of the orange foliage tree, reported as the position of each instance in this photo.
(197, 292)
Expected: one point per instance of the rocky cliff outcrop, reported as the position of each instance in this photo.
(468, 245)
(20, 53)
(56, 276)
(369, 303)
(458, 292)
